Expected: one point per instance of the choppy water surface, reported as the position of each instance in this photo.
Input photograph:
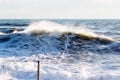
(67, 49)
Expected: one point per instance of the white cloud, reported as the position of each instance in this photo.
(107, 1)
(59, 8)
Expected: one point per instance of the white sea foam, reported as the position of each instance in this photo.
(17, 62)
(1, 33)
(51, 68)
(49, 26)
(55, 28)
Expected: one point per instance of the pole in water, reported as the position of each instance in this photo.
(38, 70)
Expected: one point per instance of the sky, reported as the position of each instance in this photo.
(59, 9)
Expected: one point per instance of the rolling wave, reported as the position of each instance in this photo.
(54, 28)
(48, 37)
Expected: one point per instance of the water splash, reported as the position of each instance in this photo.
(49, 26)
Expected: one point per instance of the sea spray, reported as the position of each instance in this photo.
(49, 26)
(64, 55)
(37, 28)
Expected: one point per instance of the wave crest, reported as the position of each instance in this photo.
(51, 27)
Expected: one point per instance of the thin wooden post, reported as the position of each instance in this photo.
(38, 70)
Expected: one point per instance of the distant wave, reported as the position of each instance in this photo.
(13, 24)
(9, 30)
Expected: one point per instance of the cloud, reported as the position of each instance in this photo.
(59, 8)
(25, 4)
(107, 1)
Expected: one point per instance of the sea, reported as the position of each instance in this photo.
(68, 49)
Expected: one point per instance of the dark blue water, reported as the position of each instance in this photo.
(13, 37)
(73, 49)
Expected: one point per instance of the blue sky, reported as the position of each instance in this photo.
(63, 9)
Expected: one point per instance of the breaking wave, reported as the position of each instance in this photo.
(46, 36)
(52, 27)
(72, 49)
